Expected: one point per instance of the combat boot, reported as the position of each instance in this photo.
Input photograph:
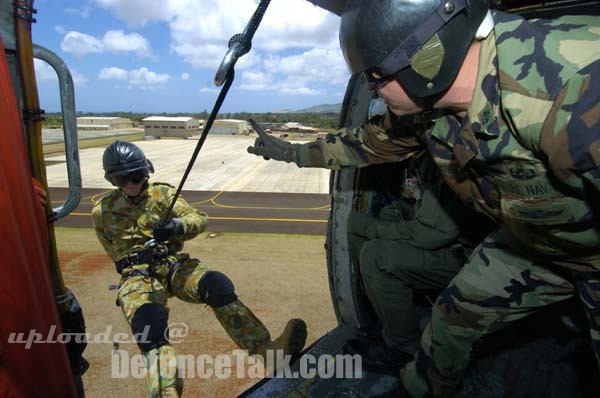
(290, 342)
(249, 333)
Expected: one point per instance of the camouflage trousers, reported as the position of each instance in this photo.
(498, 285)
(137, 289)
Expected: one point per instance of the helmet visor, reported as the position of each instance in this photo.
(426, 62)
(135, 177)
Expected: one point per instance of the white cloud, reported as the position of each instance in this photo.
(137, 78)
(117, 41)
(143, 77)
(318, 65)
(112, 73)
(200, 30)
(300, 91)
(137, 12)
(44, 73)
(295, 74)
(256, 81)
(202, 57)
(297, 24)
(78, 43)
(60, 29)
(295, 50)
(82, 12)
(113, 41)
(185, 76)
(78, 78)
(209, 90)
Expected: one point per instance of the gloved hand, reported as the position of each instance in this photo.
(363, 225)
(271, 147)
(164, 232)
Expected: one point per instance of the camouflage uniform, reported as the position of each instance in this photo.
(526, 154)
(123, 226)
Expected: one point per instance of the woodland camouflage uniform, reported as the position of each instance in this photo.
(123, 227)
(527, 154)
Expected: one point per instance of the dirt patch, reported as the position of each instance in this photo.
(79, 265)
(277, 276)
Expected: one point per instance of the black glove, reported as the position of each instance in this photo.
(271, 147)
(164, 232)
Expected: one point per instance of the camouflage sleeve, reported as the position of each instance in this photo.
(99, 228)
(570, 137)
(382, 139)
(194, 221)
(431, 228)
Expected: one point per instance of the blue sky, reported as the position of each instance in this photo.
(161, 55)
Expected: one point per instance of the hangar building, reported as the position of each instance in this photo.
(167, 126)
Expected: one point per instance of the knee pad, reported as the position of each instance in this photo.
(149, 326)
(216, 289)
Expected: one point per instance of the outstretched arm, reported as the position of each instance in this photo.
(382, 139)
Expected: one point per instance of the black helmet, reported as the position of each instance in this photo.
(121, 158)
(420, 42)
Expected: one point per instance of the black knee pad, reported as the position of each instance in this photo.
(153, 318)
(216, 289)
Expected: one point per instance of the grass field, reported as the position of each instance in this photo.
(277, 276)
(59, 147)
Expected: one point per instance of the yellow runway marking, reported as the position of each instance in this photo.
(238, 218)
(212, 200)
(265, 219)
(208, 200)
(217, 204)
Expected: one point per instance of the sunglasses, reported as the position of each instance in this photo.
(376, 81)
(135, 177)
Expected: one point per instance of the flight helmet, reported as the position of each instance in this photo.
(123, 162)
(421, 43)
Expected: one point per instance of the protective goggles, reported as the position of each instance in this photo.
(375, 81)
(426, 62)
(135, 177)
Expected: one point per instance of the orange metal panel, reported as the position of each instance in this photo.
(26, 295)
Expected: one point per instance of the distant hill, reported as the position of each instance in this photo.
(324, 108)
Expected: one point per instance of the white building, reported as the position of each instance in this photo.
(103, 123)
(295, 126)
(166, 126)
(230, 127)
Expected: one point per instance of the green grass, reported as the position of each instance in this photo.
(59, 147)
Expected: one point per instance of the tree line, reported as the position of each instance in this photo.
(325, 121)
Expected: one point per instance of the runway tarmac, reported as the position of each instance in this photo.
(239, 192)
(258, 212)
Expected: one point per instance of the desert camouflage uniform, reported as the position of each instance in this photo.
(528, 155)
(123, 227)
